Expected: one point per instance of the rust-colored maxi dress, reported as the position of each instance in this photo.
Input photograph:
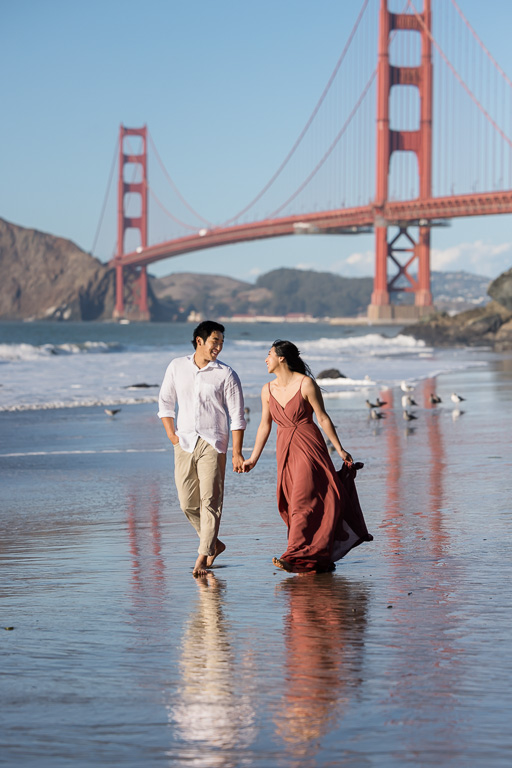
(319, 505)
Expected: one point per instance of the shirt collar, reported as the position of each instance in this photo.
(211, 364)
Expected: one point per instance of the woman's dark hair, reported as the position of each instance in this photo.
(205, 329)
(291, 354)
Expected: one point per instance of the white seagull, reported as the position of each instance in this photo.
(407, 400)
(405, 387)
(112, 411)
(455, 398)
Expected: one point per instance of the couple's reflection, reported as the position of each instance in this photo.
(213, 709)
(324, 645)
(218, 705)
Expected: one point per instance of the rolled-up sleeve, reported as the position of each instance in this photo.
(235, 401)
(167, 396)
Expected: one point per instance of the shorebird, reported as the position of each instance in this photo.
(407, 400)
(408, 416)
(376, 415)
(371, 405)
(434, 399)
(380, 402)
(455, 398)
(405, 387)
(112, 411)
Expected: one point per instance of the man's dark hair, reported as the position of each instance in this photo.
(205, 329)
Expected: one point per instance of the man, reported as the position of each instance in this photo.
(209, 395)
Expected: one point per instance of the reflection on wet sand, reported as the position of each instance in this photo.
(324, 646)
(211, 710)
(145, 540)
(424, 658)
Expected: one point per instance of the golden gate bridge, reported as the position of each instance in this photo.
(413, 128)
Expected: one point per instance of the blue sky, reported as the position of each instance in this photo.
(224, 87)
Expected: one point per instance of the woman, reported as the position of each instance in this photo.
(311, 498)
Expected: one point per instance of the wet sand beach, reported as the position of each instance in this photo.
(113, 654)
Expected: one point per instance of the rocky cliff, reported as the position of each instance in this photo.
(48, 277)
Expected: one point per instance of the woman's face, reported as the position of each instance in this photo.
(272, 360)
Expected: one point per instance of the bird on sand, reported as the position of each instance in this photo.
(376, 415)
(371, 405)
(408, 416)
(455, 398)
(405, 387)
(380, 402)
(112, 411)
(434, 399)
(407, 400)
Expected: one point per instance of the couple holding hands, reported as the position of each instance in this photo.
(318, 504)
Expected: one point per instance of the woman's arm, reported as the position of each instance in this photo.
(311, 392)
(262, 433)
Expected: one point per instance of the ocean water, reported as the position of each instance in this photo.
(58, 365)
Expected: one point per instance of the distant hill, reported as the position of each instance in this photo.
(280, 292)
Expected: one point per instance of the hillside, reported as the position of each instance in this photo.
(50, 278)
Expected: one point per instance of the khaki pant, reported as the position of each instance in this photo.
(199, 480)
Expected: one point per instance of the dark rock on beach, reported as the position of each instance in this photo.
(331, 373)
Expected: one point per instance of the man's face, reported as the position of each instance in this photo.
(209, 350)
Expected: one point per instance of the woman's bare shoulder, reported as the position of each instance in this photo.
(265, 391)
(309, 384)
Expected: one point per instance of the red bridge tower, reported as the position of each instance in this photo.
(389, 141)
(140, 187)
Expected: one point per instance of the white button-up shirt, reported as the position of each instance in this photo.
(207, 400)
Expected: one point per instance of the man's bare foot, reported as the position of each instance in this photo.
(219, 549)
(200, 566)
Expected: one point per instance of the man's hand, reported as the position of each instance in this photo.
(238, 463)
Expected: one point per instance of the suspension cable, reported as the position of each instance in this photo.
(308, 123)
(459, 78)
(331, 148)
(109, 183)
(175, 188)
(481, 44)
(168, 213)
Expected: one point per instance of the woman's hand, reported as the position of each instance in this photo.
(248, 465)
(347, 458)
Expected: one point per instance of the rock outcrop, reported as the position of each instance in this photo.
(490, 325)
(50, 278)
(501, 289)
(47, 277)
